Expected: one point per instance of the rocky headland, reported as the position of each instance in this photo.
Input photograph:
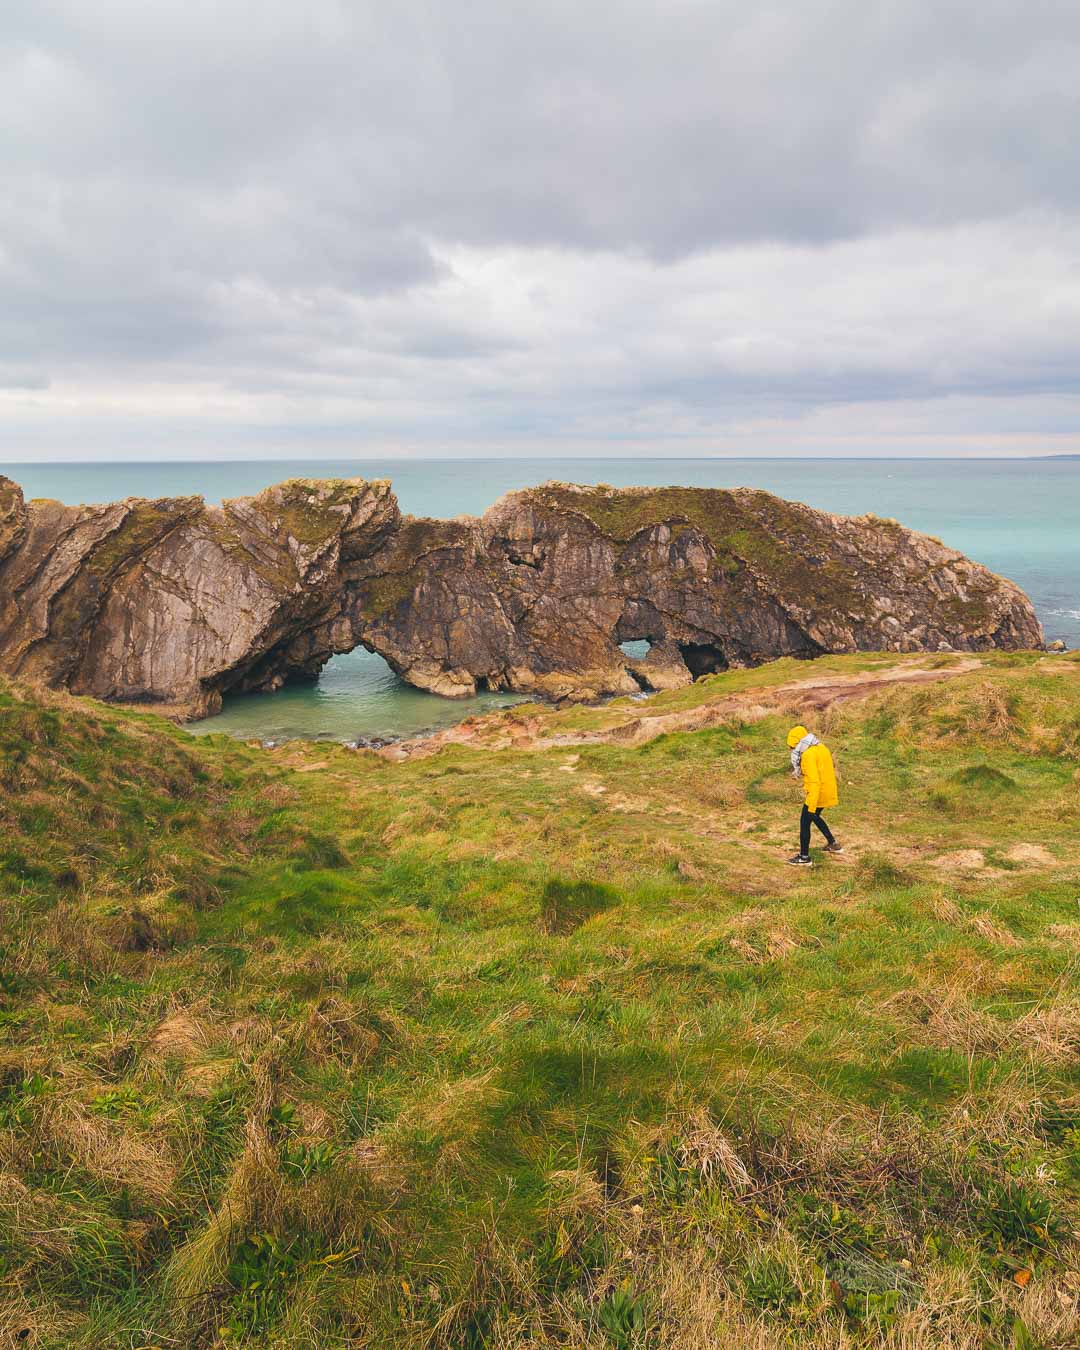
(174, 602)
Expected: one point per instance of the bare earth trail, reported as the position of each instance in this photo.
(501, 731)
(750, 845)
(802, 699)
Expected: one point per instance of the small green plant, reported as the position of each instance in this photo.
(837, 1228)
(282, 1117)
(564, 1256)
(260, 1273)
(670, 1177)
(307, 1160)
(622, 1317)
(1071, 1144)
(476, 1331)
(116, 1102)
(10, 983)
(768, 1284)
(1015, 1216)
(1057, 1121)
(17, 1098)
(1022, 1338)
(876, 1306)
(495, 971)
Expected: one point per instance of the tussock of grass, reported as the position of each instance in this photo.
(983, 778)
(456, 1053)
(879, 872)
(569, 904)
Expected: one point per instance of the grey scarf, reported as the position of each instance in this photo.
(796, 755)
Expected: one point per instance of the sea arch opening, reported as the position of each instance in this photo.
(356, 699)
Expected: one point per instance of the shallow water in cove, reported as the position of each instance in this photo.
(1019, 517)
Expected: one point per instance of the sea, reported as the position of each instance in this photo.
(1021, 517)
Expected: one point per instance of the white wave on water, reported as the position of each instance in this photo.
(1064, 613)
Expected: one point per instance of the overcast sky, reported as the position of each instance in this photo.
(290, 227)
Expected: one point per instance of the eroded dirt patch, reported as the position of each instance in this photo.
(811, 695)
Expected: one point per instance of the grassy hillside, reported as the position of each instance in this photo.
(547, 1047)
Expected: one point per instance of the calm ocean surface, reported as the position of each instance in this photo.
(1019, 517)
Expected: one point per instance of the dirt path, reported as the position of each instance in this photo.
(497, 732)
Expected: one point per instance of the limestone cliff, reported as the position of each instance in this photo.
(176, 602)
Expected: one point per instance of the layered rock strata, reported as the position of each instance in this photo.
(176, 602)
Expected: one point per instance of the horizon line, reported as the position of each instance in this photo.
(553, 459)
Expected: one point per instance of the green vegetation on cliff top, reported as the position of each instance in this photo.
(748, 528)
(545, 1048)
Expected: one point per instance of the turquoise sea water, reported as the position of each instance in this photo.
(1019, 517)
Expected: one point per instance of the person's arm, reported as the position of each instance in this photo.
(812, 779)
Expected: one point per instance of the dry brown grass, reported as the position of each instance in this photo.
(337, 1029)
(705, 1146)
(115, 1154)
(761, 936)
(190, 1039)
(68, 933)
(985, 926)
(182, 1035)
(942, 1018)
(26, 1322)
(33, 1218)
(254, 1186)
(576, 1194)
(945, 908)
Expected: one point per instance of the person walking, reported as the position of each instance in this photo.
(811, 760)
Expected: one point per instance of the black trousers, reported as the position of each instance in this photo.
(804, 828)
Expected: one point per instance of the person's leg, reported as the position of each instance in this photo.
(804, 832)
(819, 821)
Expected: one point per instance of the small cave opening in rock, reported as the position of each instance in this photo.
(702, 658)
(637, 649)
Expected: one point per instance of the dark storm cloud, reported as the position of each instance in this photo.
(588, 220)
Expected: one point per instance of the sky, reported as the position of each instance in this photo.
(264, 228)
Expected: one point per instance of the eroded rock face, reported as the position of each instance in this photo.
(175, 602)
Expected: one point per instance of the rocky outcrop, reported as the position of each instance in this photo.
(176, 602)
(172, 601)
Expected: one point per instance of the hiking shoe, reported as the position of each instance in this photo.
(800, 860)
(834, 847)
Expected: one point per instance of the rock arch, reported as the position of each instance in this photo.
(176, 602)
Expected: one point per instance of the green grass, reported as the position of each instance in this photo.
(508, 1048)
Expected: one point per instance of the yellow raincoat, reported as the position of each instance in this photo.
(819, 776)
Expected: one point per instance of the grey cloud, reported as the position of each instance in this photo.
(13, 378)
(666, 127)
(535, 218)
